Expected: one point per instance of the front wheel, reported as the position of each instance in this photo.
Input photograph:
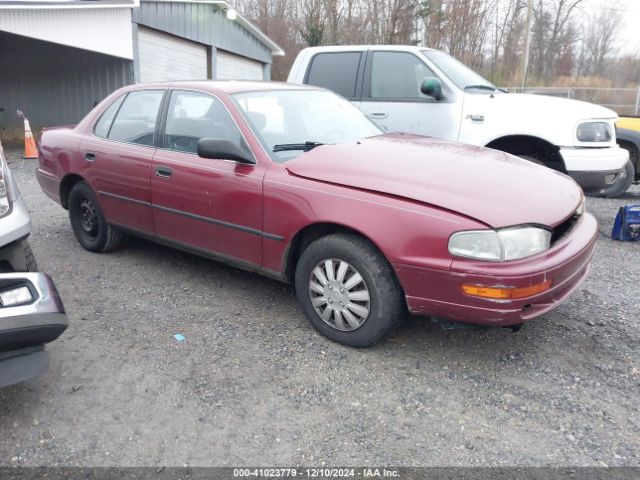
(88, 222)
(348, 290)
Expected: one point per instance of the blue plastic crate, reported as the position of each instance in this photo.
(627, 224)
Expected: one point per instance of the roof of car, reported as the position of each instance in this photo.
(226, 86)
(354, 48)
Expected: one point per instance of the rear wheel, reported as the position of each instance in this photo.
(348, 290)
(88, 222)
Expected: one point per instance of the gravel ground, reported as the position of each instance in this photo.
(254, 384)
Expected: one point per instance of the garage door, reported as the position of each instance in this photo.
(163, 57)
(235, 67)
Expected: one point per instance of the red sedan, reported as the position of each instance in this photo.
(297, 184)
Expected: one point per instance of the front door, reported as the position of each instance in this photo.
(392, 97)
(213, 206)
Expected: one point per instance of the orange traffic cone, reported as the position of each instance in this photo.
(30, 150)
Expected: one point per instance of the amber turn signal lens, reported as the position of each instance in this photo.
(505, 293)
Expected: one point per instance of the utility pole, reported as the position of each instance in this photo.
(527, 45)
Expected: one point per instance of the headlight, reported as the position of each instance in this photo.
(580, 209)
(500, 245)
(594, 132)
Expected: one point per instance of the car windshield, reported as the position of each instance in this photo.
(292, 122)
(458, 72)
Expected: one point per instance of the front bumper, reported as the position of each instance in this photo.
(35, 323)
(595, 169)
(439, 293)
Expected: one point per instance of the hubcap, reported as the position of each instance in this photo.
(88, 217)
(339, 295)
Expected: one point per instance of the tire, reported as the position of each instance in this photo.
(385, 304)
(621, 186)
(32, 265)
(88, 222)
(17, 257)
(633, 157)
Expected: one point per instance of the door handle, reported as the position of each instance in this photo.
(90, 157)
(164, 172)
(378, 115)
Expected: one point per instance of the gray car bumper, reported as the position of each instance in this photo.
(25, 328)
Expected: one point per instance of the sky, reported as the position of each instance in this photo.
(629, 36)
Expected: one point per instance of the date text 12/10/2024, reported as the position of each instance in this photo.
(315, 473)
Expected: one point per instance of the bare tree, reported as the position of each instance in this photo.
(553, 35)
(599, 40)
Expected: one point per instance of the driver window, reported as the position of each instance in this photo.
(398, 75)
(194, 115)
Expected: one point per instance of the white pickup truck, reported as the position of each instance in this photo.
(428, 92)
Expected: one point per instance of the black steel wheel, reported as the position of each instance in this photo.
(88, 222)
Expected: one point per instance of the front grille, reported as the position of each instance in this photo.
(564, 228)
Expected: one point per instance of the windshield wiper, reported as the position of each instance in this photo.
(305, 147)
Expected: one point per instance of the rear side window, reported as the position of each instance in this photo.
(335, 71)
(104, 124)
(136, 119)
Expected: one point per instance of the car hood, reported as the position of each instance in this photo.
(493, 187)
(540, 105)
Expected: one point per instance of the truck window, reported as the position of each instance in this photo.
(398, 75)
(335, 71)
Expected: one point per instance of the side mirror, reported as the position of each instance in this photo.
(220, 149)
(432, 87)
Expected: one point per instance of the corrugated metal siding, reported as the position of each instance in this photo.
(101, 30)
(163, 57)
(53, 84)
(202, 23)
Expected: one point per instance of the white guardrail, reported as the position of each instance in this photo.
(625, 101)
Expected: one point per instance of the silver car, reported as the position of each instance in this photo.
(31, 312)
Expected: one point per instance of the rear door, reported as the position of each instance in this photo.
(213, 206)
(392, 96)
(118, 156)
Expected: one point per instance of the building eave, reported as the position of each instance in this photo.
(276, 50)
(65, 4)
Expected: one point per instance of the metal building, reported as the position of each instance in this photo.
(59, 58)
